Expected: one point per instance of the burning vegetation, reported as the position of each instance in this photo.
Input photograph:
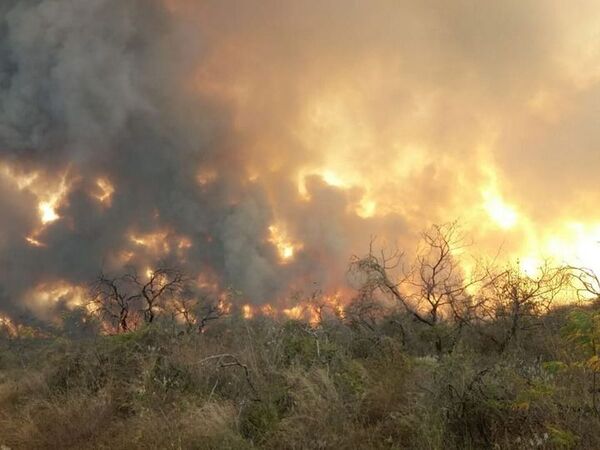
(189, 154)
(224, 215)
(419, 356)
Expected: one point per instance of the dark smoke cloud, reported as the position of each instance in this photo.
(90, 86)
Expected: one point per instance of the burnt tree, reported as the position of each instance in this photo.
(124, 299)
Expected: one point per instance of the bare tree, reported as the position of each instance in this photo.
(121, 299)
(197, 312)
(585, 281)
(161, 284)
(514, 298)
(113, 300)
(437, 280)
(432, 289)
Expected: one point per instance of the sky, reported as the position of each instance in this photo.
(260, 144)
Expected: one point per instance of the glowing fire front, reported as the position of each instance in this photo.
(313, 310)
(271, 176)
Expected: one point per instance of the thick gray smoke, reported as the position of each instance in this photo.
(99, 88)
(96, 86)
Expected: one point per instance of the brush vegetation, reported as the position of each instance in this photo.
(345, 383)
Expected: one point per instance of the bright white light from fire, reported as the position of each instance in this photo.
(247, 312)
(504, 215)
(47, 212)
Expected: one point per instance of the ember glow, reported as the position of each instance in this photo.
(51, 198)
(260, 145)
(8, 327)
(285, 247)
(104, 192)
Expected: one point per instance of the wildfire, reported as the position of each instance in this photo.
(160, 243)
(155, 242)
(224, 304)
(247, 312)
(329, 176)
(21, 180)
(49, 293)
(366, 208)
(364, 147)
(7, 325)
(575, 244)
(52, 200)
(34, 242)
(208, 282)
(530, 265)
(184, 243)
(48, 211)
(504, 215)
(285, 247)
(312, 310)
(206, 176)
(295, 312)
(50, 192)
(105, 191)
(335, 303)
(125, 256)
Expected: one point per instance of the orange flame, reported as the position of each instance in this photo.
(247, 311)
(105, 191)
(285, 247)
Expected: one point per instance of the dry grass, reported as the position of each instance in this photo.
(336, 387)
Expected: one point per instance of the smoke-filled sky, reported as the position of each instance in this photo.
(261, 143)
